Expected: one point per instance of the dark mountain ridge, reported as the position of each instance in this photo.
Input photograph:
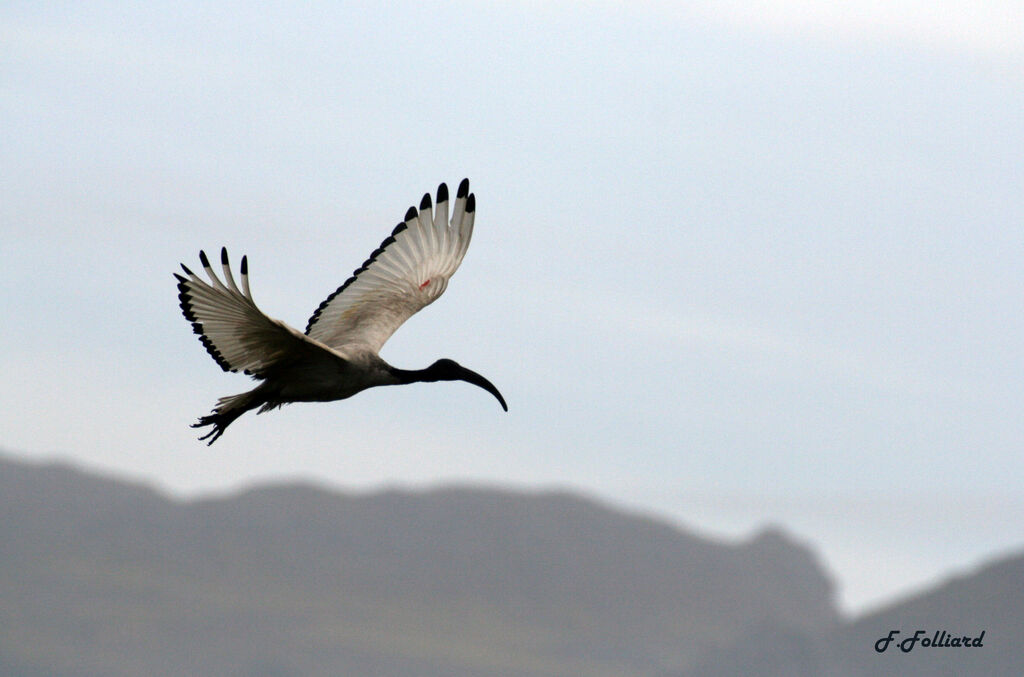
(988, 600)
(100, 577)
(103, 577)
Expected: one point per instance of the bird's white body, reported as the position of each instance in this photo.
(337, 356)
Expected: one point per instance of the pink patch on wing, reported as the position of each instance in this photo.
(424, 284)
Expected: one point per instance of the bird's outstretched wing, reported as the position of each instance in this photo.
(409, 270)
(237, 334)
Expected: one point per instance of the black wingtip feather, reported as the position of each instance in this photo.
(224, 255)
(411, 214)
(425, 202)
(442, 193)
(471, 203)
(398, 229)
(186, 308)
(185, 268)
(202, 259)
(463, 189)
(245, 266)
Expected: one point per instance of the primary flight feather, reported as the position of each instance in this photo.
(337, 356)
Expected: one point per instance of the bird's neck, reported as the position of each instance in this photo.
(404, 376)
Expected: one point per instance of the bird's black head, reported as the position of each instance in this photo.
(450, 370)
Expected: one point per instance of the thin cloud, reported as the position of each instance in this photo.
(986, 27)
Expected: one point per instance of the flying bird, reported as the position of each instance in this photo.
(337, 356)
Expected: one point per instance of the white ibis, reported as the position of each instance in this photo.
(337, 355)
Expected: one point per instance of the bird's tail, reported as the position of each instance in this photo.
(227, 410)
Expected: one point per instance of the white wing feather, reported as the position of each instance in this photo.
(409, 271)
(237, 334)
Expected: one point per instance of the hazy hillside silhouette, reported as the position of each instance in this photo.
(101, 577)
(989, 600)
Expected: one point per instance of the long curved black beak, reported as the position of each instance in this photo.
(476, 379)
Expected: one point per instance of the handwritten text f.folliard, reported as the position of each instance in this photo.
(940, 639)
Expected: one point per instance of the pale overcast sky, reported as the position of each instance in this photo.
(734, 263)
